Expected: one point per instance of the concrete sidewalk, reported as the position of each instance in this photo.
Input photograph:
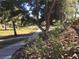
(7, 52)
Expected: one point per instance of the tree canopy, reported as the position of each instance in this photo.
(39, 10)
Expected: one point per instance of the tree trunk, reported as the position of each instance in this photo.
(5, 27)
(76, 10)
(2, 25)
(49, 14)
(14, 28)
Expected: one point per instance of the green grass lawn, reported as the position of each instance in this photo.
(23, 30)
(9, 31)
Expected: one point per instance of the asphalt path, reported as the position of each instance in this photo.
(7, 52)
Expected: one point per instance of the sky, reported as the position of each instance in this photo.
(27, 7)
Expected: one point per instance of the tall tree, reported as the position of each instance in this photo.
(45, 10)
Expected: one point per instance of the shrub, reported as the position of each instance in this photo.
(39, 49)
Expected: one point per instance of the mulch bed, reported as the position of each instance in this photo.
(71, 54)
(71, 34)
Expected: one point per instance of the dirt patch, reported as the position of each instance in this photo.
(71, 34)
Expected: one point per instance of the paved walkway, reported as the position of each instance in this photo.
(7, 52)
(14, 38)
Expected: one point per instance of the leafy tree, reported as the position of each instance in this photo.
(8, 6)
(40, 10)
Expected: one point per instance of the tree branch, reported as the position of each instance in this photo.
(37, 20)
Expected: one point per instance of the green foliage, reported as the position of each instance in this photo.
(61, 7)
(51, 49)
(69, 7)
